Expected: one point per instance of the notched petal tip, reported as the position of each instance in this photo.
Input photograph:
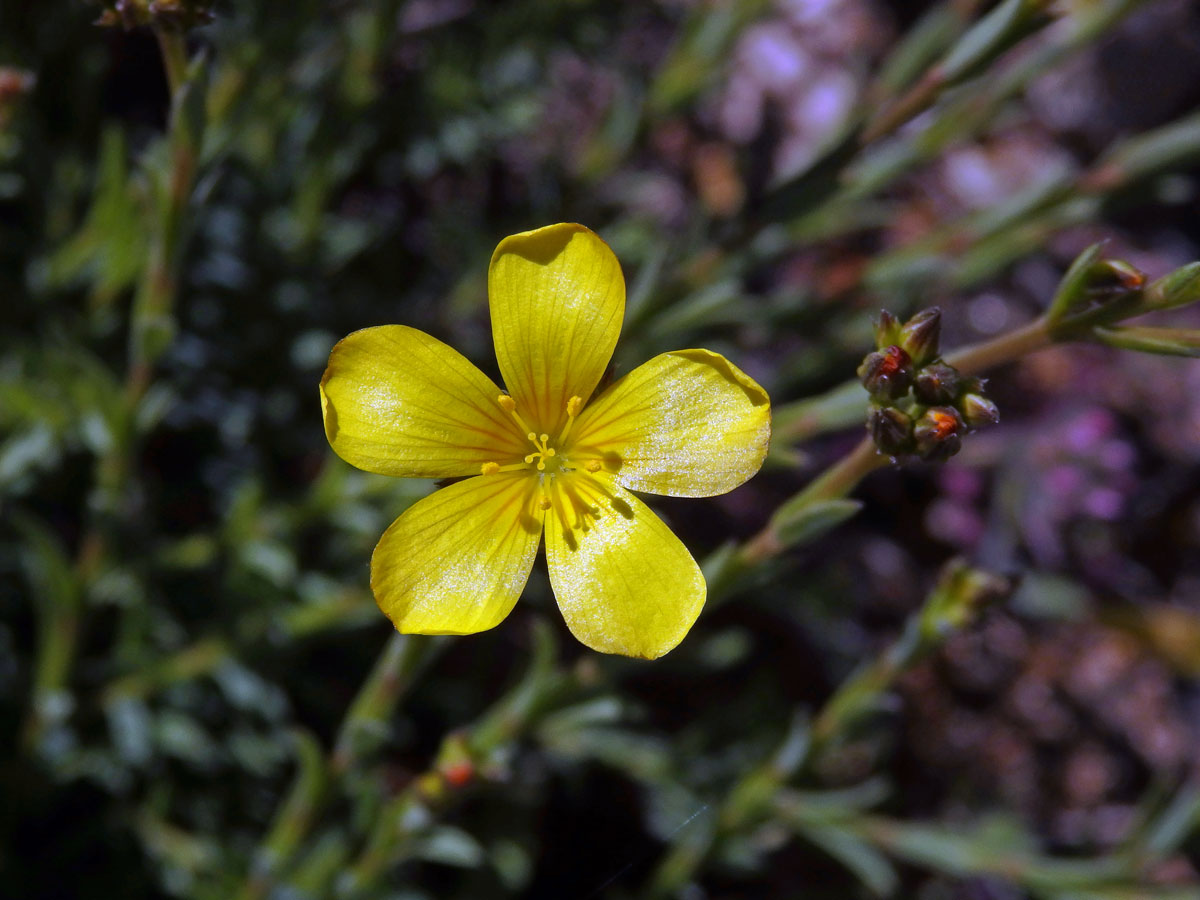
(542, 245)
(753, 390)
(557, 301)
(758, 397)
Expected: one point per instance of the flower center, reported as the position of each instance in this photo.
(547, 459)
(541, 451)
(574, 496)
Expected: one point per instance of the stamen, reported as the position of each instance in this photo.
(509, 405)
(491, 468)
(574, 405)
(593, 465)
(572, 500)
(556, 502)
(579, 506)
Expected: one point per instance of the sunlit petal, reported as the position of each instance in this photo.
(625, 583)
(399, 402)
(456, 561)
(557, 300)
(687, 424)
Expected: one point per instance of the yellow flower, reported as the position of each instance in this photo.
(544, 457)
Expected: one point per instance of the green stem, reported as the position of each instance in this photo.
(293, 819)
(173, 46)
(463, 756)
(835, 482)
(57, 641)
(59, 617)
(1004, 349)
(155, 297)
(918, 99)
(193, 661)
(363, 728)
(402, 658)
(957, 598)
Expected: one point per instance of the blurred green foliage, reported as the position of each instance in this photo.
(198, 697)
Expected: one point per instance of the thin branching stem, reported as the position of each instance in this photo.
(844, 475)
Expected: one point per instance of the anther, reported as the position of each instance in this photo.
(574, 405)
(544, 503)
(492, 468)
(593, 465)
(509, 405)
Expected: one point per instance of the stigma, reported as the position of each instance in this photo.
(541, 451)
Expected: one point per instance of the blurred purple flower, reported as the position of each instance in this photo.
(804, 68)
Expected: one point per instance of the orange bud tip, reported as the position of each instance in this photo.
(944, 424)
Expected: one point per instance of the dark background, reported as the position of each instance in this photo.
(183, 561)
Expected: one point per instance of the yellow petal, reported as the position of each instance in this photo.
(625, 584)
(456, 561)
(557, 299)
(686, 424)
(399, 402)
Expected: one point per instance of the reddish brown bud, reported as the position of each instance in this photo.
(936, 385)
(891, 430)
(938, 433)
(1115, 276)
(887, 372)
(458, 774)
(977, 410)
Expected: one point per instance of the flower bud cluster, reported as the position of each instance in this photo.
(920, 405)
(181, 14)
